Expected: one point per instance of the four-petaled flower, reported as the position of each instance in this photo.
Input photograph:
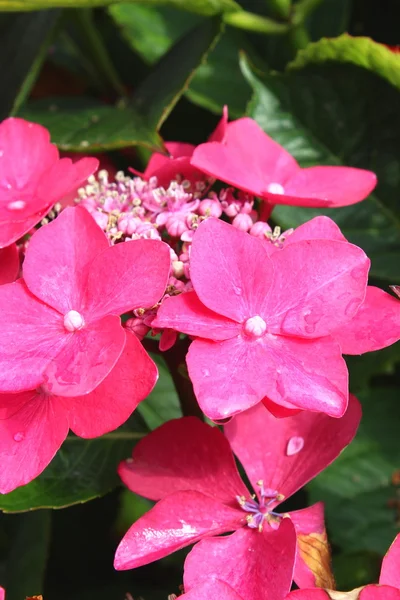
(189, 467)
(263, 323)
(252, 161)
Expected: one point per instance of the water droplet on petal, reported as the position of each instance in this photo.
(18, 437)
(16, 204)
(205, 372)
(295, 444)
(1, 153)
(237, 290)
(275, 188)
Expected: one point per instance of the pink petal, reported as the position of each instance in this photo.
(319, 228)
(3, 593)
(167, 168)
(29, 437)
(230, 270)
(11, 231)
(175, 522)
(219, 133)
(65, 176)
(179, 149)
(379, 592)
(338, 186)
(9, 264)
(211, 589)
(87, 358)
(248, 159)
(187, 314)
(181, 455)
(233, 375)
(318, 286)
(265, 457)
(59, 258)
(376, 324)
(257, 565)
(127, 276)
(390, 571)
(308, 595)
(33, 336)
(313, 558)
(111, 403)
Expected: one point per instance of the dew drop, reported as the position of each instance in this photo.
(275, 188)
(237, 290)
(16, 205)
(295, 444)
(205, 372)
(18, 437)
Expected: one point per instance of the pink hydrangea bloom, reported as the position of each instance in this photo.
(262, 324)
(210, 590)
(34, 424)
(251, 161)
(62, 320)
(200, 497)
(9, 264)
(387, 589)
(177, 164)
(32, 176)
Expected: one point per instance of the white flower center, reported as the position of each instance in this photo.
(275, 188)
(255, 326)
(16, 205)
(73, 321)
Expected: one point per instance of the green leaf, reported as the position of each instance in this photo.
(25, 39)
(170, 78)
(27, 559)
(81, 471)
(202, 7)
(86, 125)
(163, 403)
(329, 19)
(361, 503)
(339, 113)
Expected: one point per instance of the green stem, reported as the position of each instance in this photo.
(252, 22)
(302, 9)
(299, 37)
(281, 8)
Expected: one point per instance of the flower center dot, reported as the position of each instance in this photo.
(255, 326)
(275, 188)
(73, 321)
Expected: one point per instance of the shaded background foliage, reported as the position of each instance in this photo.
(106, 76)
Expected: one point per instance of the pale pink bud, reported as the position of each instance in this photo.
(101, 219)
(260, 229)
(210, 208)
(177, 268)
(176, 226)
(73, 321)
(137, 327)
(242, 221)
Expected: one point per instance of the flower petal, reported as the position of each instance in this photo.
(86, 359)
(308, 595)
(390, 571)
(379, 592)
(127, 276)
(313, 558)
(29, 437)
(64, 177)
(230, 270)
(187, 314)
(175, 522)
(59, 258)
(337, 186)
(376, 324)
(211, 589)
(257, 565)
(181, 455)
(9, 264)
(11, 231)
(296, 448)
(248, 159)
(111, 403)
(32, 337)
(319, 228)
(318, 286)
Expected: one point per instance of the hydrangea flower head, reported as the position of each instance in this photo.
(32, 177)
(251, 161)
(200, 497)
(263, 323)
(63, 318)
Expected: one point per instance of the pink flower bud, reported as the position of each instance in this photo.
(137, 327)
(210, 208)
(176, 225)
(260, 229)
(243, 222)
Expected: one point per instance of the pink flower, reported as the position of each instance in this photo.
(387, 589)
(34, 424)
(210, 590)
(9, 264)
(32, 177)
(167, 168)
(200, 497)
(263, 324)
(251, 161)
(61, 322)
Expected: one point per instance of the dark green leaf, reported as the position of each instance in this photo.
(202, 7)
(28, 555)
(82, 470)
(170, 78)
(329, 19)
(163, 403)
(335, 113)
(85, 125)
(24, 41)
(362, 505)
